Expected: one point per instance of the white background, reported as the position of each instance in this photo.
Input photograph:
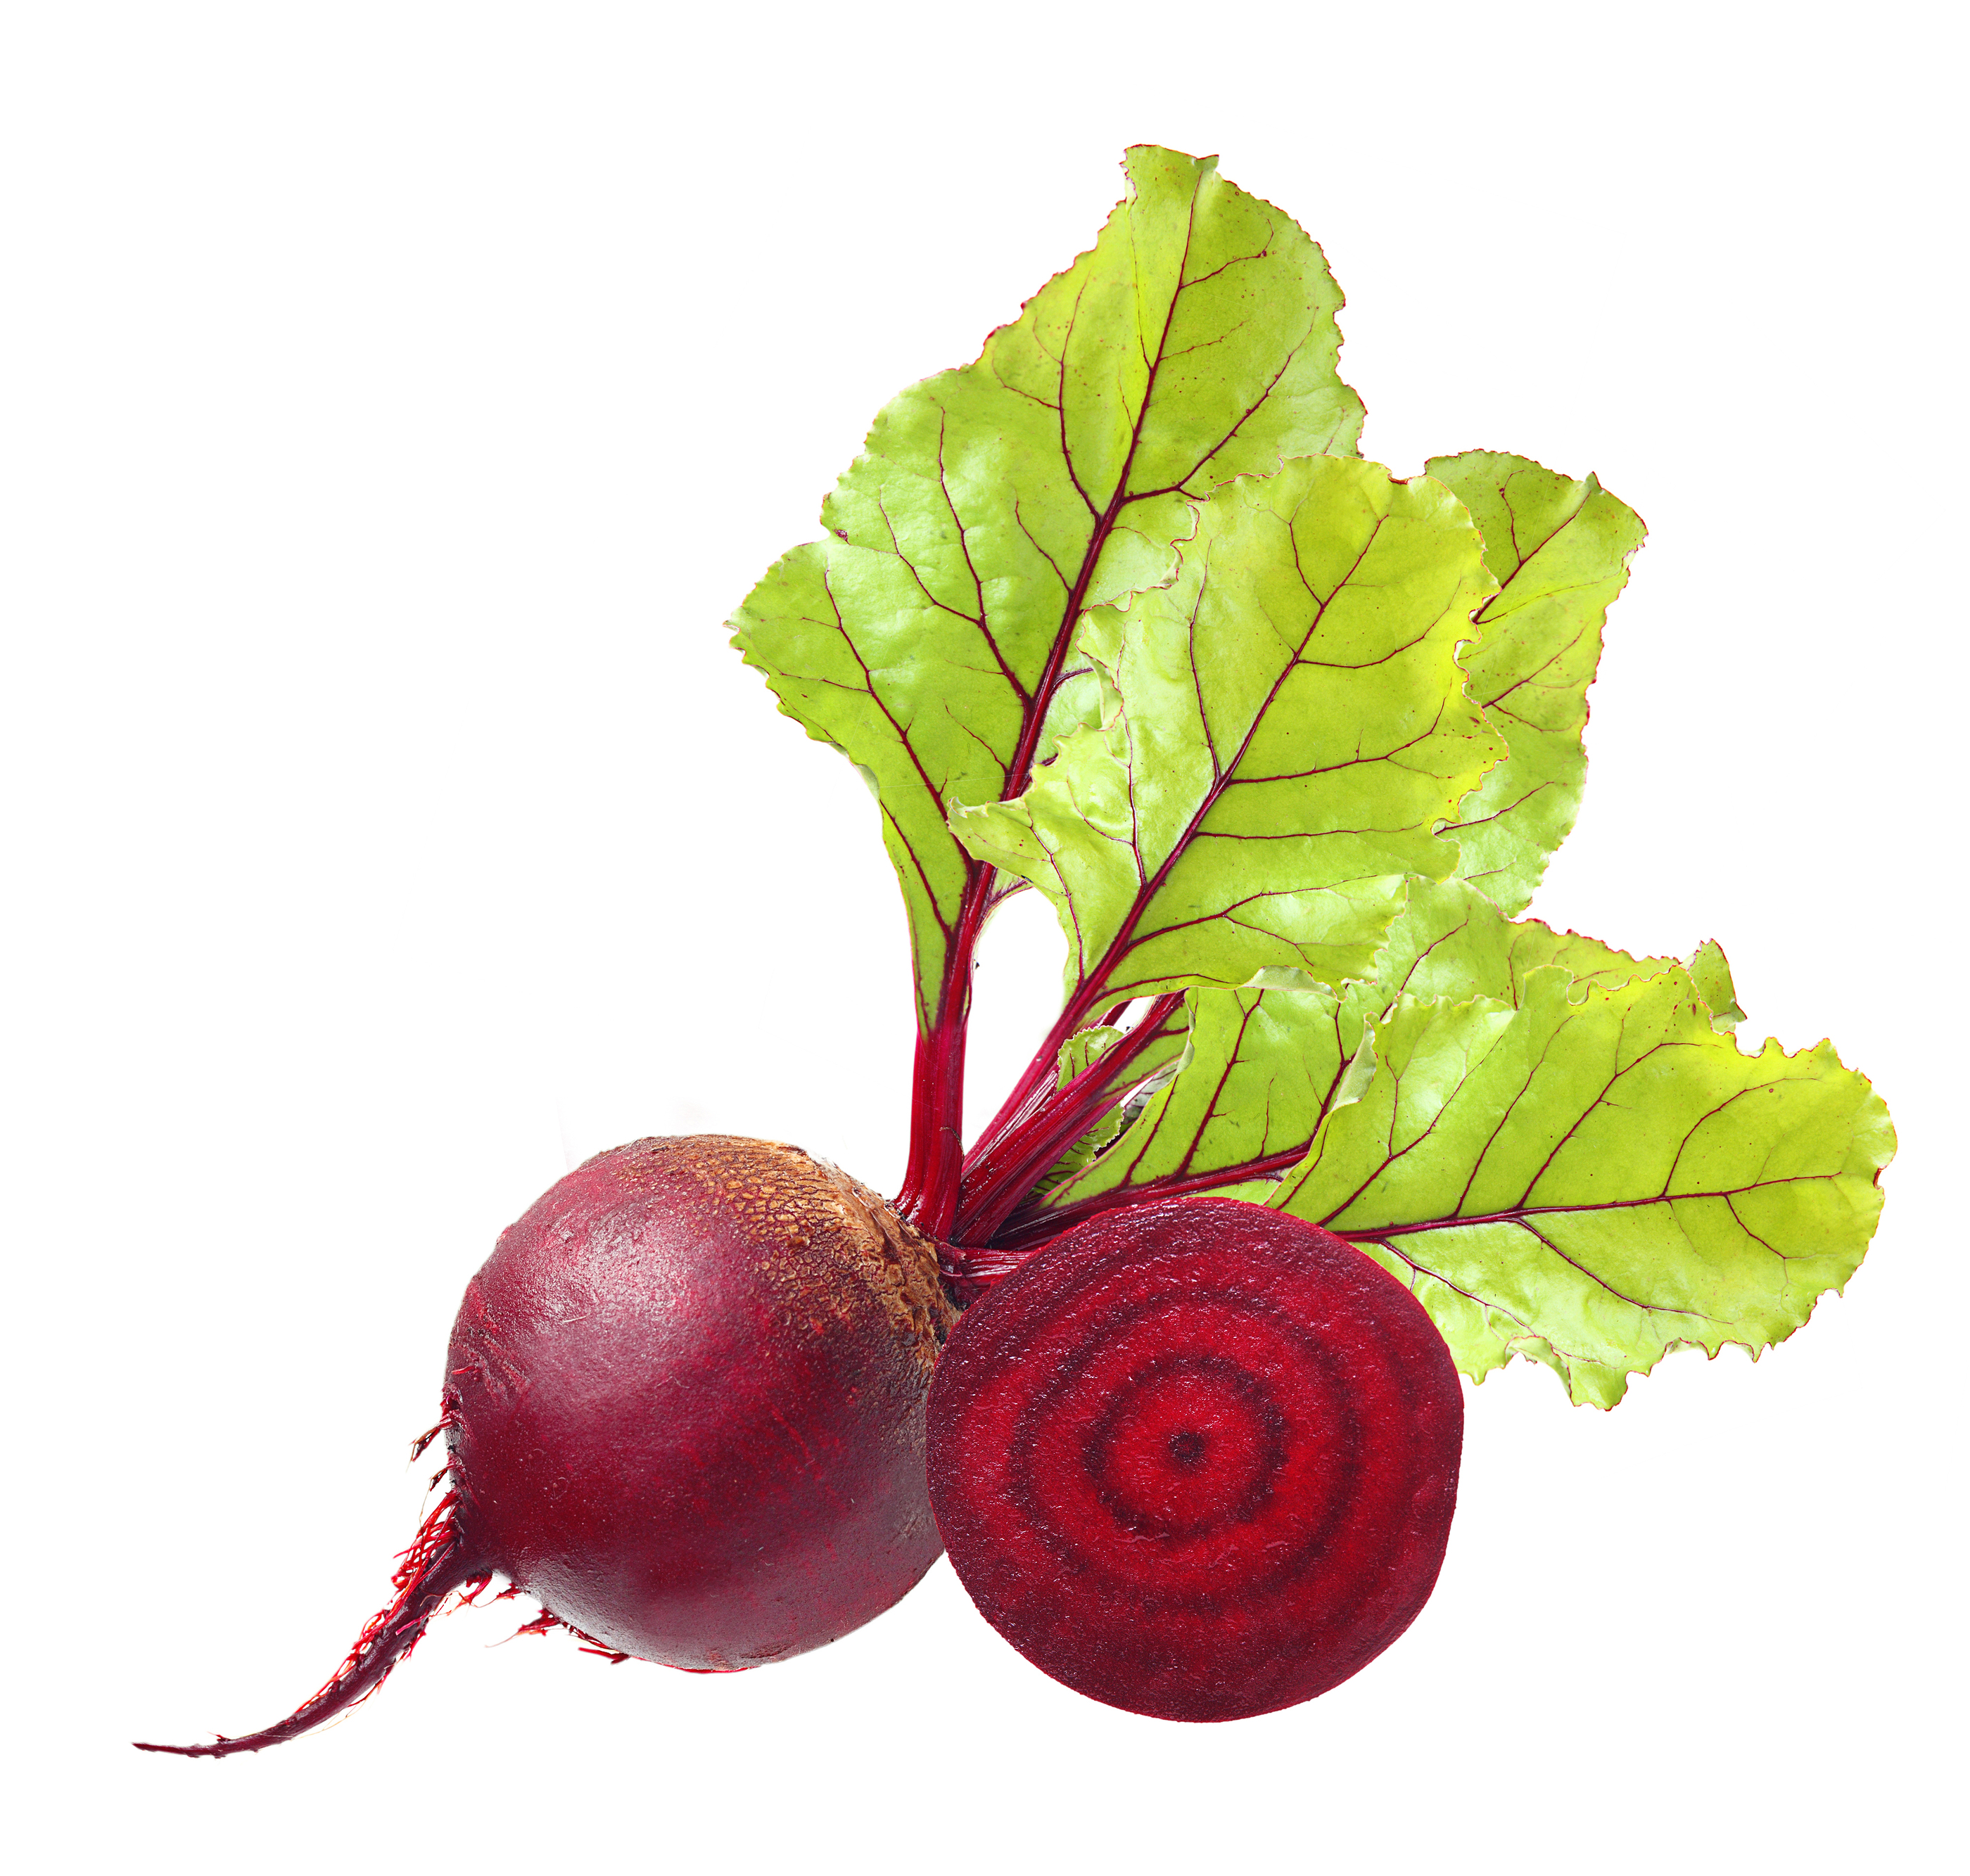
(398, 397)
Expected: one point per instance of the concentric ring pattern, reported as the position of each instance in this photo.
(1197, 1459)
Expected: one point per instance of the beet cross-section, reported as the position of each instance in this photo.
(1197, 1460)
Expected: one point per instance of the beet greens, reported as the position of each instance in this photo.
(1116, 613)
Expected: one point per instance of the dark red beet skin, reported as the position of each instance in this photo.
(687, 1403)
(685, 1400)
(1197, 1460)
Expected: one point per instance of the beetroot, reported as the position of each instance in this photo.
(1115, 613)
(1197, 1459)
(684, 1404)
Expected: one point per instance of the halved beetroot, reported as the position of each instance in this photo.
(1196, 1458)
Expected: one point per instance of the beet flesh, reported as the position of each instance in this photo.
(1196, 1458)
(685, 1403)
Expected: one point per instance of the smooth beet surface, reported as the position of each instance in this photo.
(1196, 1458)
(687, 1396)
(684, 1402)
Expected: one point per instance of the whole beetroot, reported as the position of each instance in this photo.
(685, 1407)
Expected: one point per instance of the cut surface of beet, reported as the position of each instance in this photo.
(1197, 1460)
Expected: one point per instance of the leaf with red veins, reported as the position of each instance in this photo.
(1285, 727)
(931, 636)
(1451, 941)
(1591, 1183)
(1264, 1069)
(1267, 1067)
(1710, 971)
(1560, 550)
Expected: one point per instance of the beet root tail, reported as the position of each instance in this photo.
(438, 1561)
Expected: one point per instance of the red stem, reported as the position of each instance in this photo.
(1028, 1228)
(937, 1106)
(1035, 1091)
(997, 1180)
(931, 1180)
(931, 1185)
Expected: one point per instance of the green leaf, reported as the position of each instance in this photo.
(1560, 550)
(1266, 1068)
(928, 636)
(1286, 725)
(1084, 1048)
(1590, 1184)
(1451, 941)
(1150, 1065)
(1710, 971)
